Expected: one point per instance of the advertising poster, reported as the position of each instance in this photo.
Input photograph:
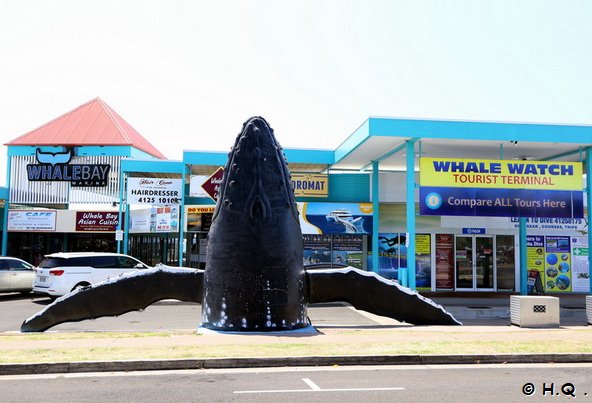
(167, 219)
(392, 254)
(535, 260)
(140, 220)
(317, 250)
(444, 261)
(347, 251)
(558, 264)
(423, 262)
(580, 270)
(198, 218)
(335, 218)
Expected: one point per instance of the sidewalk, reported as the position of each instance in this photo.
(342, 336)
(496, 310)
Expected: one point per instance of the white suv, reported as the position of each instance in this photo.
(60, 273)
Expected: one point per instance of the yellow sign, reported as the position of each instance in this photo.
(200, 209)
(310, 185)
(508, 174)
(422, 244)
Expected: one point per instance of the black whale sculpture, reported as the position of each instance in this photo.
(254, 279)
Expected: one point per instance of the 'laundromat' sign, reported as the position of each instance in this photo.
(310, 185)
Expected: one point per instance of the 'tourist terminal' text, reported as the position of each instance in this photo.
(506, 202)
(503, 179)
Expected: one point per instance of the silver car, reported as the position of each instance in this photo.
(16, 275)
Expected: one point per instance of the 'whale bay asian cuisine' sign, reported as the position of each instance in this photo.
(56, 167)
(97, 221)
(154, 191)
(310, 185)
(502, 188)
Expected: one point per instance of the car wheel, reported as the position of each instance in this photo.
(80, 286)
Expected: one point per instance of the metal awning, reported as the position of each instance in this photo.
(385, 140)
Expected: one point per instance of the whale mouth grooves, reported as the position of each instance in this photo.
(257, 210)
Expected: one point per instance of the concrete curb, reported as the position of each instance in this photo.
(212, 363)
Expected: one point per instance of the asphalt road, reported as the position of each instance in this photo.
(164, 315)
(448, 383)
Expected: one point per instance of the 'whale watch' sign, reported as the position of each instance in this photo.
(57, 167)
(501, 188)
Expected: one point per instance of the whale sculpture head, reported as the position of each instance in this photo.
(254, 278)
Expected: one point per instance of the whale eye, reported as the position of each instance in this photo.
(232, 183)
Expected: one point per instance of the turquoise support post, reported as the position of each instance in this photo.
(182, 217)
(122, 181)
(375, 215)
(589, 212)
(523, 268)
(126, 232)
(411, 213)
(6, 207)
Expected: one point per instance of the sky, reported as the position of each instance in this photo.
(187, 74)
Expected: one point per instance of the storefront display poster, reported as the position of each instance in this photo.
(581, 272)
(535, 259)
(335, 218)
(444, 261)
(558, 264)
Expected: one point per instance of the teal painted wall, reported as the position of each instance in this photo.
(353, 188)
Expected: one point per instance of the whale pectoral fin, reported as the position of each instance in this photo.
(369, 292)
(130, 292)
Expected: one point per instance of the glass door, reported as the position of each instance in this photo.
(464, 263)
(484, 263)
(474, 263)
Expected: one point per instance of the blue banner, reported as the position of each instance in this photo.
(501, 202)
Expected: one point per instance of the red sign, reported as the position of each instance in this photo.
(444, 261)
(100, 221)
(212, 184)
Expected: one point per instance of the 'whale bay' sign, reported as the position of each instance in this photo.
(56, 167)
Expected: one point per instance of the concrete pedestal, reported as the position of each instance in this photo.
(534, 311)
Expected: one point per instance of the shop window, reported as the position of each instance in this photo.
(505, 262)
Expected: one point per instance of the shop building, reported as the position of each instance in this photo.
(469, 206)
(63, 182)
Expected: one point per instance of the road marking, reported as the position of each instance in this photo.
(315, 388)
(310, 383)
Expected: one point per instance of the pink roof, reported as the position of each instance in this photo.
(91, 124)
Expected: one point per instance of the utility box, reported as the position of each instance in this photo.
(589, 308)
(534, 311)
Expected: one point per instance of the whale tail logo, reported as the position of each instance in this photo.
(53, 158)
